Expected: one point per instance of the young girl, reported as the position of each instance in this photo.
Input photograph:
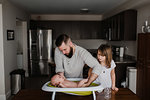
(106, 77)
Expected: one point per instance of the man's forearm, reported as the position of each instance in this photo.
(91, 79)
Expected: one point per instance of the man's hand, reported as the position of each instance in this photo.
(90, 80)
(85, 85)
(61, 74)
(82, 82)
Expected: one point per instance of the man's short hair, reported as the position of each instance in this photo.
(60, 39)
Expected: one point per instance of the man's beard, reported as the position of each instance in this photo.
(70, 53)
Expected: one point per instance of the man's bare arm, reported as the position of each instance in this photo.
(90, 80)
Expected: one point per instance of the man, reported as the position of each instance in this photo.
(70, 58)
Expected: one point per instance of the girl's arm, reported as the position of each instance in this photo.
(113, 78)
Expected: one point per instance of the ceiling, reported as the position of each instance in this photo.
(67, 6)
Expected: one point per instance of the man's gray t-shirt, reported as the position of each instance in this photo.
(73, 67)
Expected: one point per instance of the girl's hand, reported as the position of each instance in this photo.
(115, 88)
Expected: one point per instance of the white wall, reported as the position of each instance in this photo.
(10, 13)
(19, 37)
(129, 46)
(143, 15)
(2, 81)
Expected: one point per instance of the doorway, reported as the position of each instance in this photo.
(22, 51)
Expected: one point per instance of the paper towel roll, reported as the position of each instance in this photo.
(121, 51)
(19, 60)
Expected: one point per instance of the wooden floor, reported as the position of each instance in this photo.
(32, 83)
(36, 82)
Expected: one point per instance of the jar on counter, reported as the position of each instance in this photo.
(146, 28)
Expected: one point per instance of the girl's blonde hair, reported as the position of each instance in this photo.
(106, 51)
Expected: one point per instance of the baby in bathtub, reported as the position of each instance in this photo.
(58, 80)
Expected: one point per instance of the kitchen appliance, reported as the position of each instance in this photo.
(118, 51)
(131, 78)
(40, 47)
(115, 50)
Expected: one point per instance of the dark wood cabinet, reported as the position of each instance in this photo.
(128, 25)
(143, 66)
(121, 26)
(75, 29)
(90, 29)
(120, 71)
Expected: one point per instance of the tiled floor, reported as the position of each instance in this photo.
(34, 83)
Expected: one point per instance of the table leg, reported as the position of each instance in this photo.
(53, 95)
(94, 96)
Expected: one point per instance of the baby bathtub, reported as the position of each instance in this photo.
(57, 89)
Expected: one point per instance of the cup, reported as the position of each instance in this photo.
(107, 93)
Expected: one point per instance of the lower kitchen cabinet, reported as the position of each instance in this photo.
(120, 71)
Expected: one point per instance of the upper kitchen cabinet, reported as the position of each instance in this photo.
(75, 29)
(90, 29)
(129, 21)
(121, 26)
(58, 27)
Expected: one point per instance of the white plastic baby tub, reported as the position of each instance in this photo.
(57, 89)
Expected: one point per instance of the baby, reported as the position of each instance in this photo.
(58, 80)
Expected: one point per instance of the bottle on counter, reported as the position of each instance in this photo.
(121, 51)
(146, 28)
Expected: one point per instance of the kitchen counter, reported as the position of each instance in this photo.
(125, 59)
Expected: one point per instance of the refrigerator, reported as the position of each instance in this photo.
(40, 48)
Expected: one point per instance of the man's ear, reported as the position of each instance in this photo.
(70, 42)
